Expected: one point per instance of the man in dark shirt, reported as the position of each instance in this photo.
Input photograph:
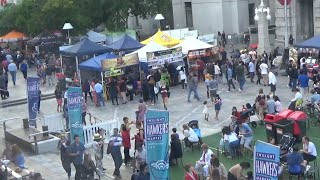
(144, 172)
(295, 161)
(76, 151)
(240, 75)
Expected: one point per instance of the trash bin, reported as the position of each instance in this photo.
(282, 127)
(270, 119)
(300, 124)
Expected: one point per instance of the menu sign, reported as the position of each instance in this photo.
(161, 57)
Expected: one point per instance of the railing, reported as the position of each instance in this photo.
(34, 135)
(4, 123)
(54, 122)
(90, 130)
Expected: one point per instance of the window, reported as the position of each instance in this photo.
(189, 20)
(251, 14)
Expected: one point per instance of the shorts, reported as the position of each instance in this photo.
(59, 101)
(246, 141)
(217, 107)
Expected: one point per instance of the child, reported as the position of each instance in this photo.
(217, 105)
(206, 110)
(249, 175)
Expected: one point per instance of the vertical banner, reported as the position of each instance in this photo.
(33, 87)
(157, 143)
(74, 103)
(266, 161)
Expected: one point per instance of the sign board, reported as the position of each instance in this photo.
(120, 62)
(161, 57)
(33, 97)
(182, 33)
(74, 104)
(266, 161)
(113, 72)
(157, 143)
(194, 54)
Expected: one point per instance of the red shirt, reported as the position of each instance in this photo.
(189, 177)
(201, 65)
(126, 139)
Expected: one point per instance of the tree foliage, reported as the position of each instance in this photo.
(36, 16)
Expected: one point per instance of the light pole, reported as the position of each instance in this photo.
(68, 26)
(158, 18)
(286, 25)
(262, 16)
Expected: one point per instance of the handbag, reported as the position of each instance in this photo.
(156, 90)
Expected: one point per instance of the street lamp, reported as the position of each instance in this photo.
(68, 26)
(262, 16)
(158, 18)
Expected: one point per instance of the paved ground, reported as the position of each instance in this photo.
(180, 112)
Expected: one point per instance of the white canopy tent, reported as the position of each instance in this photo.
(192, 44)
(151, 47)
(96, 37)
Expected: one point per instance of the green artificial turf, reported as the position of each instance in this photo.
(177, 173)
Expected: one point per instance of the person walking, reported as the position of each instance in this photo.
(193, 87)
(303, 80)
(165, 95)
(142, 108)
(113, 91)
(213, 87)
(294, 77)
(252, 70)
(123, 90)
(217, 72)
(240, 75)
(264, 72)
(58, 95)
(49, 75)
(99, 91)
(183, 77)
(125, 134)
(258, 72)
(86, 90)
(115, 144)
(272, 83)
(230, 77)
(76, 151)
(217, 105)
(94, 94)
(24, 69)
(97, 150)
(63, 145)
(12, 68)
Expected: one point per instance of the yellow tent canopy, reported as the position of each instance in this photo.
(162, 39)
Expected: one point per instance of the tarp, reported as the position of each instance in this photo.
(115, 36)
(13, 36)
(126, 43)
(162, 39)
(96, 37)
(94, 64)
(313, 42)
(193, 44)
(44, 38)
(151, 47)
(85, 47)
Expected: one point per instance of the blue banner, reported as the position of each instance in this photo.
(266, 161)
(74, 103)
(157, 143)
(33, 97)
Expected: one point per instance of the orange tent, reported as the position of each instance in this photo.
(13, 36)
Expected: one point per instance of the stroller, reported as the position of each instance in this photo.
(286, 143)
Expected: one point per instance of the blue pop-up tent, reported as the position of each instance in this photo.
(313, 42)
(94, 64)
(126, 43)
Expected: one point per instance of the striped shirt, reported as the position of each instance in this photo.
(117, 140)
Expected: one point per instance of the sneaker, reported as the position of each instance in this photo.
(239, 90)
(308, 167)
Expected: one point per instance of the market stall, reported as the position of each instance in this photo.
(162, 39)
(84, 47)
(45, 42)
(126, 43)
(96, 37)
(192, 44)
(13, 36)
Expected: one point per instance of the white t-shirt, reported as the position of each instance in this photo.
(311, 149)
(231, 137)
(141, 155)
(182, 75)
(264, 68)
(191, 135)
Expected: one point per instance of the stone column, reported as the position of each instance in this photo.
(316, 16)
(263, 34)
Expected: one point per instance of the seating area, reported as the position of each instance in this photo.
(176, 172)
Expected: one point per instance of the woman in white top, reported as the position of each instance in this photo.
(183, 78)
(264, 72)
(309, 151)
(278, 106)
(230, 141)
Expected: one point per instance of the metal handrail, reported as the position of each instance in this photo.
(34, 135)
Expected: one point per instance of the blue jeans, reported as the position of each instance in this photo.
(294, 83)
(194, 90)
(233, 146)
(241, 81)
(100, 99)
(13, 76)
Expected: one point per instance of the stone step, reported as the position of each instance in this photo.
(17, 102)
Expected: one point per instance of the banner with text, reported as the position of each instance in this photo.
(33, 92)
(120, 62)
(74, 102)
(161, 57)
(266, 161)
(157, 143)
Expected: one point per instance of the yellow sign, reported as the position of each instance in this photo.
(120, 62)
